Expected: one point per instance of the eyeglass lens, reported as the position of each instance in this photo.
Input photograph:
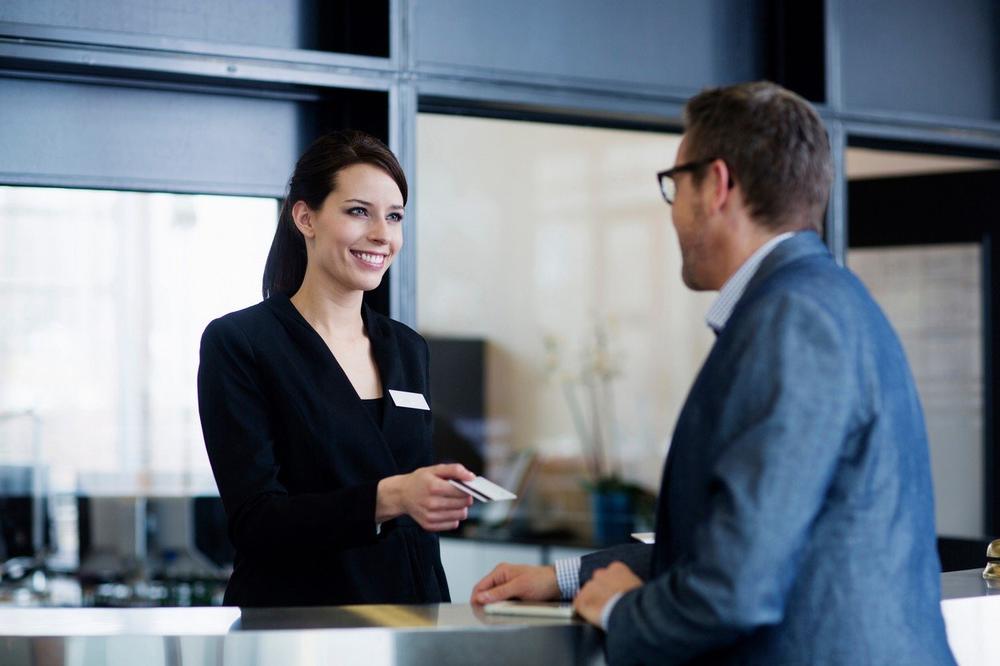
(668, 187)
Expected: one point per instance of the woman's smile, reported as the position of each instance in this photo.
(371, 260)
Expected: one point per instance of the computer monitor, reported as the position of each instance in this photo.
(23, 515)
(458, 400)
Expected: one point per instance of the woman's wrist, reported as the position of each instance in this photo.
(388, 499)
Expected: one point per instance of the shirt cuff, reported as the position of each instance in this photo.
(608, 607)
(568, 577)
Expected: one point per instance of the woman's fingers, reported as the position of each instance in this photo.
(441, 527)
(445, 489)
(452, 471)
(446, 516)
(447, 503)
(434, 503)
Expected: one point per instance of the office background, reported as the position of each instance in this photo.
(143, 147)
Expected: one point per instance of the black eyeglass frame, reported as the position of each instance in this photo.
(663, 176)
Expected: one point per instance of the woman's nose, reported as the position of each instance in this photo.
(378, 232)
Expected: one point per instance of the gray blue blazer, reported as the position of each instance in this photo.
(795, 522)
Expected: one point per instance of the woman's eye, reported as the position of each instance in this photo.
(395, 217)
(358, 210)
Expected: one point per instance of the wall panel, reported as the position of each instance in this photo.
(922, 56)
(670, 44)
(55, 133)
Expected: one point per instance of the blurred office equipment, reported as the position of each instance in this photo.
(23, 516)
(458, 400)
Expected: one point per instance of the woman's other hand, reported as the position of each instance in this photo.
(426, 496)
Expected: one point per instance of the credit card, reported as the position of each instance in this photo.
(483, 490)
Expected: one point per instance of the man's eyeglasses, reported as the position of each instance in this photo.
(668, 187)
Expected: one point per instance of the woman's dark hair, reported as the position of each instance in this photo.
(314, 178)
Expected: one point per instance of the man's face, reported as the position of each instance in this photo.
(690, 224)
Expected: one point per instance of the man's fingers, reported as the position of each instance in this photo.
(494, 577)
(498, 576)
(499, 593)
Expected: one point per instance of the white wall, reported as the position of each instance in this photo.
(932, 295)
(528, 229)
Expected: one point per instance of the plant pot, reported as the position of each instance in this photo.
(613, 514)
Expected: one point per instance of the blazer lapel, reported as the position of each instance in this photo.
(348, 402)
(407, 435)
(386, 354)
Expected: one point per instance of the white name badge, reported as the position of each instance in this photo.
(410, 400)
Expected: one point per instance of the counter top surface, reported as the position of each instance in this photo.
(219, 621)
(375, 635)
(226, 620)
(965, 584)
(372, 635)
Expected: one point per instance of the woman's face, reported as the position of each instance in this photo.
(354, 236)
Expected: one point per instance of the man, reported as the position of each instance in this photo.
(795, 518)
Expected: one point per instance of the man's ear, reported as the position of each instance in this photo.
(302, 216)
(716, 184)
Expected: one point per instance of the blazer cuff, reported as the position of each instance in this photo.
(363, 527)
(609, 607)
(619, 639)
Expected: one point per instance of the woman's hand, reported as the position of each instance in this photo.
(426, 496)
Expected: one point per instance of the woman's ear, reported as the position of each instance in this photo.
(302, 216)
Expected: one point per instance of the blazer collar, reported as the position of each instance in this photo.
(799, 246)
(380, 335)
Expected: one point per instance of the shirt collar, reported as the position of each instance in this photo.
(733, 289)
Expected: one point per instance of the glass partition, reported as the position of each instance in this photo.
(105, 295)
(553, 246)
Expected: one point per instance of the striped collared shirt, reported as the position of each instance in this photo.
(731, 292)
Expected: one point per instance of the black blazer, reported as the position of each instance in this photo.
(297, 459)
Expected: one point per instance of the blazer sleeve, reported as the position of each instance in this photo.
(783, 423)
(264, 518)
(636, 556)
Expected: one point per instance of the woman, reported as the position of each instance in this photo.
(313, 406)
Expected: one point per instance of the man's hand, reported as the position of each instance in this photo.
(604, 584)
(517, 581)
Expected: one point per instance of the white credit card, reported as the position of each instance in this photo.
(535, 608)
(483, 489)
(408, 399)
(645, 537)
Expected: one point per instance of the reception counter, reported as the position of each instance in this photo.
(373, 635)
(370, 635)
(972, 616)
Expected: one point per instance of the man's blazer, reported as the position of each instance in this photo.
(297, 458)
(795, 522)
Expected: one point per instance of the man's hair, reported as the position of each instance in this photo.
(775, 146)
